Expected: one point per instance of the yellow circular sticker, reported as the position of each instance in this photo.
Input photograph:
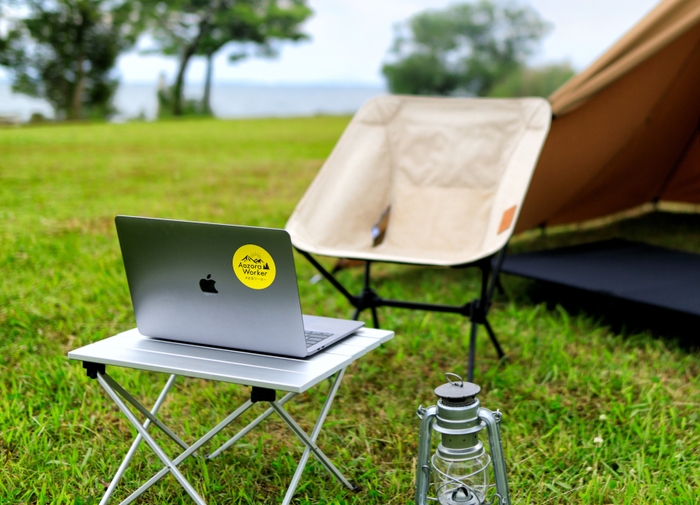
(254, 266)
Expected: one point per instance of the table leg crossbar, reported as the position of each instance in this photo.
(137, 442)
(250, 426)
(116, 393)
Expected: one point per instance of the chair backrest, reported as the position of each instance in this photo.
(453, 171)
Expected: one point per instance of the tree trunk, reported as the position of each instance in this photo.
(206, 99)
(76, 106)
(180, 81)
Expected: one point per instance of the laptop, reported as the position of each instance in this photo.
(220, 285)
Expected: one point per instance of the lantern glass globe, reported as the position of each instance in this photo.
(461, 482)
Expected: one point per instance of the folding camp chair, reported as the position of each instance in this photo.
(424, 181)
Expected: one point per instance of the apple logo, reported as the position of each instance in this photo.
(207, 285)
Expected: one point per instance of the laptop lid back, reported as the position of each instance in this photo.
(213, 284)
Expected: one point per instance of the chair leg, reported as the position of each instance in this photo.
(472, 351)
(375, 319)
(356, 314)
(499, 287)
(493, 338)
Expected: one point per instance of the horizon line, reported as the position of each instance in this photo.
(253, 83)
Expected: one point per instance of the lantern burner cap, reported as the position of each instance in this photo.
(463, 496)
(457, 391)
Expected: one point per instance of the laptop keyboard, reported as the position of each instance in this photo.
(314, 337)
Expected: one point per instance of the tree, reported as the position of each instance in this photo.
(64, 51)
(539, 81)
(466, 48)
(203, 27)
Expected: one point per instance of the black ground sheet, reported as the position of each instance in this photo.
(627, 270)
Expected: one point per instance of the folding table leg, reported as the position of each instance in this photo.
(310, 444)
(199, 443)
(114, 390)
(125, 394)
(314, 435)
(250, 426)
(149, 440)
(135, 445)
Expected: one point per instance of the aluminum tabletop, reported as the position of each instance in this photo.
(130, 349)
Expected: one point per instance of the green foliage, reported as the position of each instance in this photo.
(591, 415)
(64, 51)
(421, 74)
(465, 48)
(540, 81)
(187, 28)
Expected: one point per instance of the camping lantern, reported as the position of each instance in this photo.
(460, 467)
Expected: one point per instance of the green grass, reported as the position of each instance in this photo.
(569, 379)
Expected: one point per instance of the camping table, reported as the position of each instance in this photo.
(265, 374)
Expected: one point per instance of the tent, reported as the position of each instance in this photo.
(626, 131)
(625, 135)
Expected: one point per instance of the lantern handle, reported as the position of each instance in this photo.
(458, 383)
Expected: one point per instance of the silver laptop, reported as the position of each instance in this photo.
(220, 285)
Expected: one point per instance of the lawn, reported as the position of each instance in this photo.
(595, 411)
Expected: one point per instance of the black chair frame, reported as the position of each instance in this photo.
(476, 310)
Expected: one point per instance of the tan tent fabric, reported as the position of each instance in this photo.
(453, 171)
(626, 129)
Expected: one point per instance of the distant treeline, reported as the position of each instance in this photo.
(472, 49)
(65, 50)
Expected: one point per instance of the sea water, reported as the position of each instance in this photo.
(227, 100)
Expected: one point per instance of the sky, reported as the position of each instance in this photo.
(350, 39)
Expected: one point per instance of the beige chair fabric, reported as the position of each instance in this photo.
(453, 171)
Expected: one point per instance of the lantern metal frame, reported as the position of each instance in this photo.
(486, 419)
